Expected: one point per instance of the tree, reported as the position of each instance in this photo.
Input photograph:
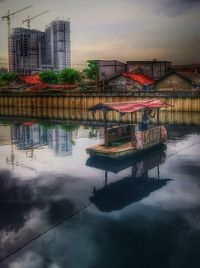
(92, 70)
(69, 76)
(8, 76)
(49, 77)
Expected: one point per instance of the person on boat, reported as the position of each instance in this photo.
(148, 113)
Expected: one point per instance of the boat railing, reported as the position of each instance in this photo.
(139, 138)
(144, 138)
(153, 135)
(119, 133)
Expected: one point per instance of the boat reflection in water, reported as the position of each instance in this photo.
(138, 185)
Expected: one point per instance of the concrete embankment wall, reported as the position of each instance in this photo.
(186, 101)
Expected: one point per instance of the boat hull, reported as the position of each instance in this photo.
(117, 152)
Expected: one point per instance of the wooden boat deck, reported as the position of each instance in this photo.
(115, 149)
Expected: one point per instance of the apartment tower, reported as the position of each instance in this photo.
(26, 50)
(58, 51)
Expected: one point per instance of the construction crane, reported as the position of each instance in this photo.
(28, 20)
(7, 17)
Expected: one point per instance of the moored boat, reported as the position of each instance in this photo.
(132, 138)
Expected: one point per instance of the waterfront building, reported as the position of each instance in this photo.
(109, 69)
(26, 50)
(58, 46)
(155, 69)
(131, 81)
(179, 81)
(190, 68)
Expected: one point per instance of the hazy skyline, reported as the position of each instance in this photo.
(117, 29)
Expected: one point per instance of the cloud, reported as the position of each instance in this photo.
(17, 201)
(179, 7)
(168, 7)
(189, 1)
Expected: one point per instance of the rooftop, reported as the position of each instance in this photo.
(140, 78)
(148, 61)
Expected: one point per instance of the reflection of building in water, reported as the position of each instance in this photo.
(5, 137)
(60, 140)
(83, 132)
(101, 133)
(29, 136)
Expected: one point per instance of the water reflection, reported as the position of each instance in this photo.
(162, 230)
(59, 138)
(82, 115)
(135, 187)
(18, 200)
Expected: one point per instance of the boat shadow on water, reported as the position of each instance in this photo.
(133, 188)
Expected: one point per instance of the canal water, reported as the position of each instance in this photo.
(59, 208)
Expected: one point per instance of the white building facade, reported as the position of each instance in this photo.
(58, 44)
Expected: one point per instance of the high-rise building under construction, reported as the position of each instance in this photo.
(58, 44)
(31, 51)
(26, 50)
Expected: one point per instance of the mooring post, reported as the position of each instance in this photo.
(158, 171)
(158, 115)
(106, 177)
(132, 130)
(105, 129)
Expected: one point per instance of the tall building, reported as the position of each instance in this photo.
(58, 45)
(31, 51)
(26, 50)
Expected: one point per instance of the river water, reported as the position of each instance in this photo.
(59, 208)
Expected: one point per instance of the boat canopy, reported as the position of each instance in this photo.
(130, 107)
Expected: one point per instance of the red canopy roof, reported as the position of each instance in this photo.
(129, 107)
(38, 84)
(141, 78)
(31, 79)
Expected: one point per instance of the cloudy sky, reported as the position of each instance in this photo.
(117, 29)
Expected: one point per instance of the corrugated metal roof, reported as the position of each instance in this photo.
(140, 78)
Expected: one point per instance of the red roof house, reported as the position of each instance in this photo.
(132, 81)
(35, 83)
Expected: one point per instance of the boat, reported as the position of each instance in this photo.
(120, 141)
(150, 160)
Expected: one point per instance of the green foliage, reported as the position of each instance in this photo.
(3, 83)
(93, 70)
(69, 76)
(47, 126)
(73, 142)
(7, 77)
(70, 128)
(49, 77)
